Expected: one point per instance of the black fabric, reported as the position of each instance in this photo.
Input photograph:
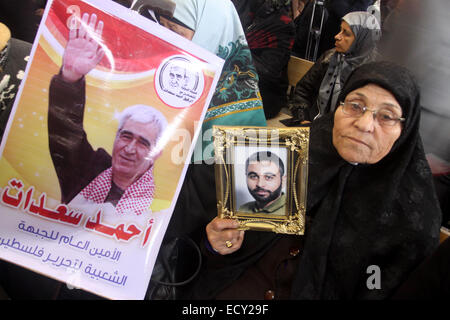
(23, 284)
(114, 194)
(12, 70)
(195, 208)
(171, 271)
(20, 283)
(304, 101)
(442, 184)
(22, 18)
(220, 271)
(270, 34)
(431, 280)
(385, 214)
(273, 271)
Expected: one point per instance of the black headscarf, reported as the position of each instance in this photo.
(384, 214)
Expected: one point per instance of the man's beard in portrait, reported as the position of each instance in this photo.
(263, 200)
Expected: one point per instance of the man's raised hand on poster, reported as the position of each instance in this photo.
(83, 51)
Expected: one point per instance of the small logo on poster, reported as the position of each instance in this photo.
(179, 82)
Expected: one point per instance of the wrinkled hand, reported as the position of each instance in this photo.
(219, 231)
(83, 51)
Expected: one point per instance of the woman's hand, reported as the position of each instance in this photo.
(223, 235)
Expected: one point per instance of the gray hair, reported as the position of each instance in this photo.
(143, 114)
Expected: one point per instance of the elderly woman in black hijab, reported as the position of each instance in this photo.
(317, 92)
(372, 209)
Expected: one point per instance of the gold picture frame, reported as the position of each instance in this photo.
(236, 150)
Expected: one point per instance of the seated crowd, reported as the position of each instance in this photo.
(371, 195)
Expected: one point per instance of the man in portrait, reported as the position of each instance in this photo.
(265, 175)
(123, 179)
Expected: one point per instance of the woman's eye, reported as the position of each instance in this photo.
(387, 116)
(356, 106)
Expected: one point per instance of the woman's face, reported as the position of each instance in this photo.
(175, 27)
(363, 139)
(344, 39)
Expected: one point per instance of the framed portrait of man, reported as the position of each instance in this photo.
(261, 177)
(260, 180)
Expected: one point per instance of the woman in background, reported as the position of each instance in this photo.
(317, 92)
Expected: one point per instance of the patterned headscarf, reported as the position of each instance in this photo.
(367, 32)
(236, 100)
